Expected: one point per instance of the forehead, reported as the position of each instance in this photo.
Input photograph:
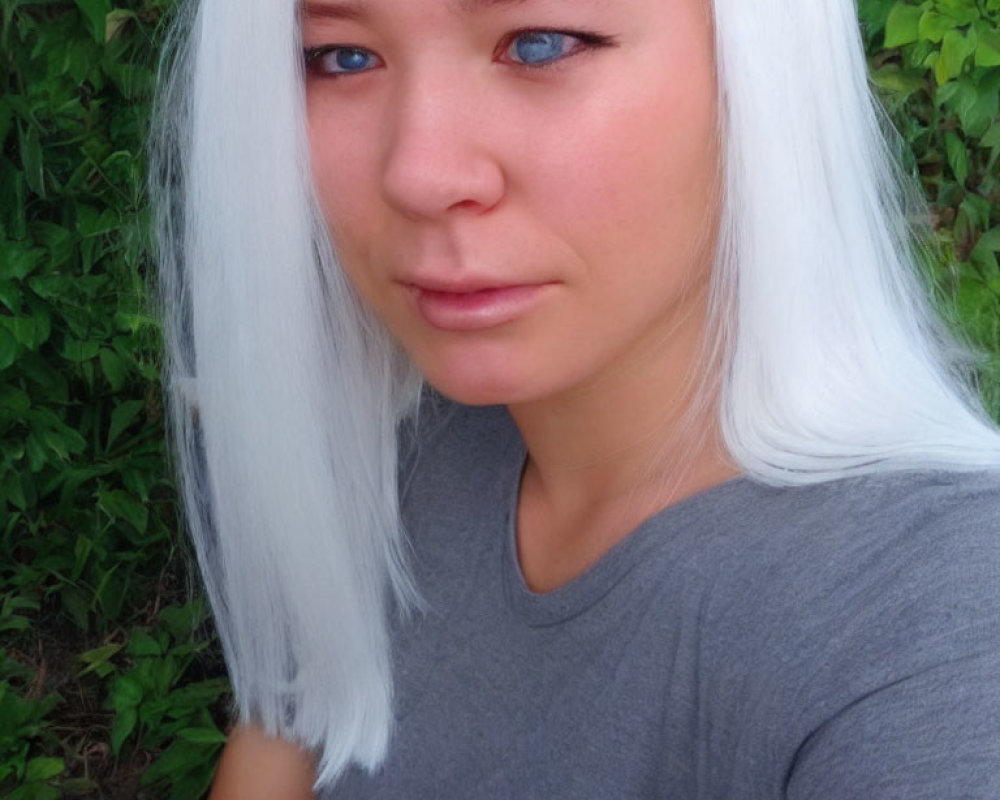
(360, 9)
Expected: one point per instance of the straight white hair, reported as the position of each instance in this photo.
(286, 394)
(834, 363)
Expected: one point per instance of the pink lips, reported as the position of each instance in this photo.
(468, 308)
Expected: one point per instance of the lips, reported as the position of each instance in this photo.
(473, 305)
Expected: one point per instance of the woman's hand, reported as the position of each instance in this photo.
(256, 767)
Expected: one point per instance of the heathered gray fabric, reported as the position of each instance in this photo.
(831, 642)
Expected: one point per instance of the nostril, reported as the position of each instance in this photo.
(467, 205)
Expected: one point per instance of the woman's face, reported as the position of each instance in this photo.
(523, 190)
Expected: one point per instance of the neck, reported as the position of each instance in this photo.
(606, 456)
(646, 424)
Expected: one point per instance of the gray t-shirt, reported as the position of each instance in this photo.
(832, 642)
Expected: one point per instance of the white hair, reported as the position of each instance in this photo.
(835, 364)
(285, 393)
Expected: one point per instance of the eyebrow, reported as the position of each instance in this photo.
(472, 6)
(354, 10)
(341, 9)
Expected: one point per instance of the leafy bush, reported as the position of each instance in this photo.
(108, 683)
(937, 63)
(104, 670)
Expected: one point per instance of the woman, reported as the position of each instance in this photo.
(709, 511)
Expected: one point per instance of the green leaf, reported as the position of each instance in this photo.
(98, 656)
(17, 259)
(978, 209)
(902, 25)
(43, 768)
(988, 46)
(958, 156)
(121, 417)
(96, 13)
(31, 159)
(56, 239)
(122, 727)
(122, 505)
(115, 20)
(977, 116)
(176, 760)
(198, 695)
(13, 491)
(114, 368)
(55, 434)
(182, 620)
(13, 400)
(15, 622)
(141, 643)
(110, 592)
(8, 348)
(38, 457)
(10, 295)
(990, 240)
(974, 300)
(955, 50)
(203, 735)
(134, 323)
(933, 26)
(962, 11)
(76, 350)
(50, 382)
(126, 692)
(31, 331)
(195, 783)
(76, 606)
(992, 137)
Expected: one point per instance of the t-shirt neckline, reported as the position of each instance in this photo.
(578, 595)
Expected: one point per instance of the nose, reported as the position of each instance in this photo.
(439, 158)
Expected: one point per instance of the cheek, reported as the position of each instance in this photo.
(341, 159)
(341, 163)
(641, 166)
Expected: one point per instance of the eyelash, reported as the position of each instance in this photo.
(312, 56)
(585, 41)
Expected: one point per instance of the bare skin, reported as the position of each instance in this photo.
(594, 474)
(256, 767)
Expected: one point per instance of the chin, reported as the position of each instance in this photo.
(477, 392)
(484, 382)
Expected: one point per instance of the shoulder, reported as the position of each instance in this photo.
(859, 622)
(854, 583)
(876, 521)
(900, 640)
(861, 582)
(879, 498)
(902, 543)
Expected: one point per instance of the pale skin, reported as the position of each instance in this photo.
(563, 151)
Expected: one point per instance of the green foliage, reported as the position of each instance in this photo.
(937, 63)
(104, 669)
(108, 686)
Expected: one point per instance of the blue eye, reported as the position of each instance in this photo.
(537, 48)
(340, 60)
